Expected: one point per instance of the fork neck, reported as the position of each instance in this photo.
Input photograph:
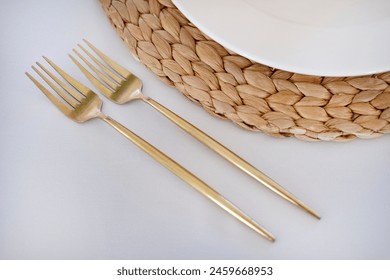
(119, 127)
(103, 116)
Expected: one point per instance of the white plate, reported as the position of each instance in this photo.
(315, 37)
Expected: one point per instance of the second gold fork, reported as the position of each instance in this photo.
(81, 104)
(121, 86)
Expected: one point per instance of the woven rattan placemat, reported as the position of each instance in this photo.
(252, 95)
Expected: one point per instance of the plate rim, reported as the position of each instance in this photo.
(312, 70)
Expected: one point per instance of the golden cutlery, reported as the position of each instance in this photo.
(81, 104)
(121, 86)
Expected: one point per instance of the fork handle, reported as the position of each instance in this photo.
(187, 176)
(228, 155)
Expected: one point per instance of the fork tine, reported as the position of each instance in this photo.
(60, 105)
(76, 84)
(119, 69)
(109, 72)
(101, 86)
(106, 82)
(64, 96)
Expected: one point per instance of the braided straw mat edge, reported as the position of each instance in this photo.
(250, 94)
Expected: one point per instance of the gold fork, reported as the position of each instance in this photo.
(121, 86)
(81, 104)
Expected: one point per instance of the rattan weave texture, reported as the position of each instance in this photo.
(252, 95)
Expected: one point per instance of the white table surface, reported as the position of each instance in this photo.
(82, 191)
